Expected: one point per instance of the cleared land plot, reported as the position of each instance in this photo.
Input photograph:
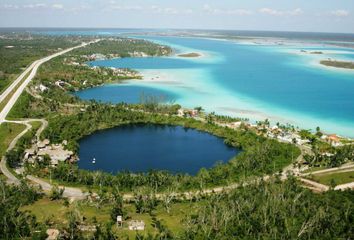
(336, 178)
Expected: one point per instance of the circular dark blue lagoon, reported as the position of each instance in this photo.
(144, 147)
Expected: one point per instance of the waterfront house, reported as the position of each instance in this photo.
(97, 56)
(334, 140)
(180, 112)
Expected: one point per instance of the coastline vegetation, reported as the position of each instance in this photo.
(124, 47)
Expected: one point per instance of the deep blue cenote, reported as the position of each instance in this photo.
(140, 148)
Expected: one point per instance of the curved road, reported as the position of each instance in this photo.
(3, 165)
(32, 70)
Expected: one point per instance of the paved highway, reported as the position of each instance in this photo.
(33, 70)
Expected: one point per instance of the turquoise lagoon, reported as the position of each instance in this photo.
(255, 81)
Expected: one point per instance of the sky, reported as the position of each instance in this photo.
(268, 15)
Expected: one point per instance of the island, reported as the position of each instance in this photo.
(314, 52)
(317, 52)
(190, 55)
(338, 64)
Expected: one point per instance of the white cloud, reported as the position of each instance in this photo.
(270, 11)
(79, 8)
(207, 8)
(33, 6)
(170, 10)
(58, 6)
(152, 9)
(9, 6)
(121, 7)
(115, 6)
(340, 13)
(275, 12)
(240, 12)
(295, 12)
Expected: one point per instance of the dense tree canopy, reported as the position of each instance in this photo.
(274, 210)
(15, 224)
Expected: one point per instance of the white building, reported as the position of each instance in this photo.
(41, 88)
(136, 225)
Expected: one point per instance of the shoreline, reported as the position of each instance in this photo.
(314, 60)
(182, 85)
(334, 63)
(244, 108)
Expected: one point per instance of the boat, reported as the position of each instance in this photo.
(94, 160)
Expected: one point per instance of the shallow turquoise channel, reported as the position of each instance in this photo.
(267, 80)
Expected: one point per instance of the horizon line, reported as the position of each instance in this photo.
(189, 29)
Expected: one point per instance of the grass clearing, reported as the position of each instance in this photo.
(8, 131)
(55, 213)
(337, 177)
(314, 169)
(36, 125)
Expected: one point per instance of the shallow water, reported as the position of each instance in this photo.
(140, 148)
(255, 81)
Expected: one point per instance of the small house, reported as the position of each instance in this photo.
(180, 112)
(60, 83)
(53, 234)
(29, 153)
(333, 138)
(136, 225)
(43, 144)
(41, 88)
